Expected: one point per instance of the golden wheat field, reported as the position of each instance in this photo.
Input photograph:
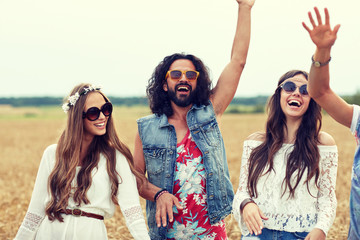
(26, 132)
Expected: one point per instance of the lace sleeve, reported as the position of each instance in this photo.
(326, 204)
(242, 193)
(36, 211)
(129, 202)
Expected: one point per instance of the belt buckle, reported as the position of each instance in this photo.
(76, 212)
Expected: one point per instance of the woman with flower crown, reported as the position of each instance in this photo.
(84, 176)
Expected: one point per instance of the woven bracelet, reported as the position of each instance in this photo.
(246, 201)
(159, 193)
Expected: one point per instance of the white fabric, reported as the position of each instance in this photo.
(355, 117)
(37, 226)
(301, 213)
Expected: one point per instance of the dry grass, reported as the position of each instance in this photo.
(25, 137)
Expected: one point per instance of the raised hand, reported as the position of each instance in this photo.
(322, 34)
(247, 2)
(252, 216)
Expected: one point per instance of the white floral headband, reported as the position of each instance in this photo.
(73, 98)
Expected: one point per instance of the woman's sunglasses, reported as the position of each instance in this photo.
(93, 113)
(290, 87)
(177, 74)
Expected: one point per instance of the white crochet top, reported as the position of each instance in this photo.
(301, 213)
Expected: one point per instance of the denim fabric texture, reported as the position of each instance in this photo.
(354, 230)
(269, 234)
(159, 145)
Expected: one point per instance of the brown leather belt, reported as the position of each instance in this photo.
(77, 212)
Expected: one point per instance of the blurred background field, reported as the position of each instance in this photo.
(27, 131)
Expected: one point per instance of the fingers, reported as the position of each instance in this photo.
(177, 204)
(327, 17)
(164, 209)
(253, 225)
(262, 215)
(318, 16)
(249, 227)
(160, 216)
(157, 217)
(319, 21)
(169, 208)
(252, 217)
(336, 29)
(169, 212)
(248, 2)
(311, 20)
(306, 27)
(161, 213)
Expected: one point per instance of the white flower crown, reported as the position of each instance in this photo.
(73, 98)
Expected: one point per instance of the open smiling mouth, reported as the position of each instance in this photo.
(99, 124)
(294, 103)
(183, 89)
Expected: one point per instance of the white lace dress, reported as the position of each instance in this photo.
(301, 213)
(37, 226)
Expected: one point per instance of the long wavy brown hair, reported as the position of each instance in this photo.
(159, 99)
(68, 158)
(305, 154)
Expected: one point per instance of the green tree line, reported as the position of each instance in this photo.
(353, 99)
(254, 104)
(126, 101)
(58, 101)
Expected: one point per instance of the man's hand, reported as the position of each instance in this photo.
(321, 34)
(316, 234)
(252, 216)
(164, 205)
(247, 2)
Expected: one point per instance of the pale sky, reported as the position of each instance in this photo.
(47, 47)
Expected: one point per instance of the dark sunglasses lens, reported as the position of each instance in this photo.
(289, 86)
(107, 109)
(175, 74)
(93, 113)
(303, 90)
(191, 75)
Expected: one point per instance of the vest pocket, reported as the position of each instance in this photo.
(211, 133)
(154, 159)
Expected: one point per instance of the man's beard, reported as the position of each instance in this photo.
(181, 101)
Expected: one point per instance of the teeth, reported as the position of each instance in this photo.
(100, 124)
(183, 88)
(294, 103)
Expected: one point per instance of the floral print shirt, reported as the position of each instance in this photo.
(192, 222)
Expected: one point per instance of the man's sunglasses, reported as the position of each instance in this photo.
(290, 87)
(190, 75)
(93, 113)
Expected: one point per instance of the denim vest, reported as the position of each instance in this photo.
(354, 229)
(159, 145)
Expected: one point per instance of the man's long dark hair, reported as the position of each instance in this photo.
(305, 154)
(159, 100)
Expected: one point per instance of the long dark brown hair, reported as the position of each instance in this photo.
(305, 153)
(68, 158)
(159, 100)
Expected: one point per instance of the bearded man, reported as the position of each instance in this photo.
(180, 145)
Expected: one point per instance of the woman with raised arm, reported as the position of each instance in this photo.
(348, 115)
(84, 176)
(288, 173)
